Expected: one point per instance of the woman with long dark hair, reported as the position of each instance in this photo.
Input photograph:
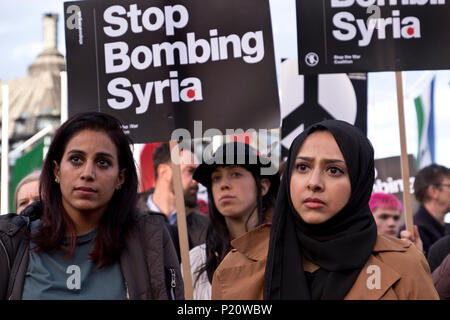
(87, 240)
(241, 198)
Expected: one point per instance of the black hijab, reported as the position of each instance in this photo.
(341, 245)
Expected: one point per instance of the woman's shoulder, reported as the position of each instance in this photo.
(400, 254)
(197, 256)
(142, 218)
(253, 240)
(389, 243)
(396, 248)
(243, 267)
(409, 264)
(149, 226)
(396, 270)
(249, 248)
(199, 250)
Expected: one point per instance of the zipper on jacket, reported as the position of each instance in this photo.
(127, 291)
(173, 283)
(6, 254)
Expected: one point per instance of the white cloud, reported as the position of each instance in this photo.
(383, 129)
(4, 29)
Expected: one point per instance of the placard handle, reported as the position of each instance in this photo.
(404, 155)
(181, 219)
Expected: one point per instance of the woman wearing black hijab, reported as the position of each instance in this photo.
(323, 241)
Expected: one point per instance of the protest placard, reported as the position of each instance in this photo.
(159, 66)
(372, 35)
(375, 35)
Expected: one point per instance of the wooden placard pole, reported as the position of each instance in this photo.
(181, 219)
(404, 155)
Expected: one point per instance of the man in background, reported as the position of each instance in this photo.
(432, 190)
(387, 211)
(161, 198)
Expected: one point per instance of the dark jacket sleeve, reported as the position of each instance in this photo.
(142, 200)
(441, 279)
(175, 285)
(438, 251)
(12, 231)
(4, 273)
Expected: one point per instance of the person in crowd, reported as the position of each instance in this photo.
(161, 198)
(241, 198)
(438, 251)
(387, 211)
(27, 190)
(87, 239)
(432, 190)
(439, 260)
(323, 241)
(441, 278)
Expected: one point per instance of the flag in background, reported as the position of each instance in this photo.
(424, 104)
(28, 162)
(147, 173)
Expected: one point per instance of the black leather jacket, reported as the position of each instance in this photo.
(149, 262)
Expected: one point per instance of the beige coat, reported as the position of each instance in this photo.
(396, 270)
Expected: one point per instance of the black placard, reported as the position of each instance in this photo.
(337, 36)
(161, 65)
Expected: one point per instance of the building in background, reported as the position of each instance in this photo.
(34, 103)
(35, 100)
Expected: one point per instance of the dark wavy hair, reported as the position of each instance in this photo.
(431, 175)
(218, 236)
(118, 217)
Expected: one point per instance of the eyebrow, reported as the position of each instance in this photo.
(101, 154)
(326, 160)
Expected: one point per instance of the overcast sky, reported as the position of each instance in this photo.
(21, 42)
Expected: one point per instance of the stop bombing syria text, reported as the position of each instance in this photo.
(347, 26)
(119, 57)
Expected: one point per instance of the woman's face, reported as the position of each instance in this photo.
(234, 191)
(28, 193)
(320, 185)
(88, 173)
